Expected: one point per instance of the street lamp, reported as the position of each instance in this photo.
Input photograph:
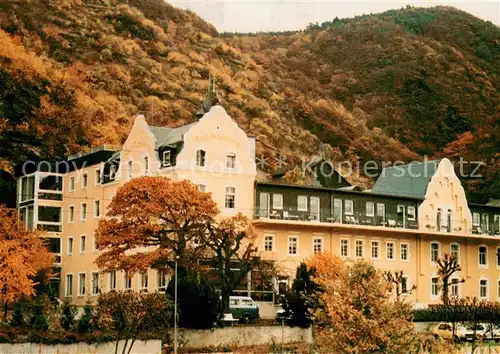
(175, 308)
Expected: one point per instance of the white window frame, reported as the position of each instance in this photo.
(166, 162)
(408, 285)
(321, 240)
(66, 288)
(436, 295)
(476, 219)
(112, 172)
(69, 250)
(110, 288)
(479, 256)
(83, 245)
(161, 275)
(362, 243)
(94, 243)
(72, 184)
(393, 244)
(265, 242)
(296, 237)
(411, 212)
(377, 242)
(487, 289)
(201, 158)
(97, 176)
(383, 208)
(83, 211)
(142, 276)
(202, 187)
(370, 209)
(85, 180)
(346, 208)
(125, 280)
(80, 293)
(458, 250)
(226, 194)
(299, 206)
(71, 212)
(92, 284)
(457, 284)
(97, 209)
(407, 244)
(231, 157)
(438, 251)
(347, 241)
(277, 198)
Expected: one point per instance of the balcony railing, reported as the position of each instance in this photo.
(396, 220)
(486, 230)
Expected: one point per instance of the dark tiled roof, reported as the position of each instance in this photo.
(169, 136)
(407, 180)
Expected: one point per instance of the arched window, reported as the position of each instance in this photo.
(455, 250)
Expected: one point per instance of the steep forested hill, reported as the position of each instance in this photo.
(392, 86)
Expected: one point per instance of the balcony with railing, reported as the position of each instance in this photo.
(486, 230)
(388, 220)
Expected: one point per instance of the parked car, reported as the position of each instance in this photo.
(492, 332)
(243, 308)
(281, 315)
(443, 330)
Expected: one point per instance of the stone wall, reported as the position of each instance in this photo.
(244, 336)
(140, 347)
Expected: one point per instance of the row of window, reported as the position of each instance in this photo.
(84, 211)
(435, 250)
(318, 246)
(85, 180)
(304, 202)
(95, 282)
(455, 288)
(83, 245)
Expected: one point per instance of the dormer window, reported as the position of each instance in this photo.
(230, 160)
(200, 158)
(166, 159)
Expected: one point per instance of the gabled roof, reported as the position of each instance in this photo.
(407, 180)
(169, 136)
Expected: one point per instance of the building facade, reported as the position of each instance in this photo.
(413, 215)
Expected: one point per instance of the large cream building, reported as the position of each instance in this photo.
(412, 216)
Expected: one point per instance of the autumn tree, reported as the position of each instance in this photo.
(128, 314)
(447, 267)
(397, 281)
(358, 313)
(234, 254)
(22, 255)
(151, 221)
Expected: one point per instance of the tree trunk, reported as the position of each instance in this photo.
(445, 292)
(124, 350)
(5, 311)
(225, 300)
(131, 345)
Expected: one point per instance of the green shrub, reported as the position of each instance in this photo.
(38, 320)
(199, 304)
(18, 319)
(85, 321)
(68, 313)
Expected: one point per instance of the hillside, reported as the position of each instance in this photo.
(392, 86)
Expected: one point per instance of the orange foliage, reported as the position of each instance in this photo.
(359, 315)
(150, 221)
(22, 254)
